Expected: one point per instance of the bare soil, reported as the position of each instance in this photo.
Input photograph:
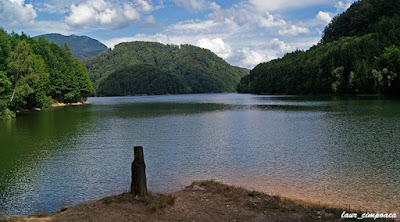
(201, 201)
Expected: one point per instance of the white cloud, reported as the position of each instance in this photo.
(41, 27)
(239, 15)
(294, 30)
(269, 21)
(50, 8)
(279, 46)
(18, 2)
(341, 6)
(192, 5)
(191, 25)
(150, 22)
(55, 6)
(281, 5)
(99, 12)
(250, 58)
(324, 17)
(214, 6)
(16, 12)
(217, 45)
(144, 5)
(197, 5)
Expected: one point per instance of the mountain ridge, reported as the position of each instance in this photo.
(81, 46)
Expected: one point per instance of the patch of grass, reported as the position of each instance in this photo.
(153, 202)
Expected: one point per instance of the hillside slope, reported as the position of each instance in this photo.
(141, 79)
(81, 46)
(200, 70)
(358, 54)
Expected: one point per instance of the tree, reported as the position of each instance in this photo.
(20, 65)
(4, 50)
(5, 87)
(387, 76)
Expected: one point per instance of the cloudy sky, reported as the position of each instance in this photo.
(243, 32)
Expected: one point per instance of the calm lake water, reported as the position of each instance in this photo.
(331, 150)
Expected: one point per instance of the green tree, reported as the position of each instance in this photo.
(387, 76)
(20, 66)
(4, 49)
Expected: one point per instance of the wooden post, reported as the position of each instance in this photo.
(138, 186)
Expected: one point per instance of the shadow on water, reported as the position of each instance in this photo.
(149, 110)
(27, 143)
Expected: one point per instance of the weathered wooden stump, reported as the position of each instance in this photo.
(138, 186)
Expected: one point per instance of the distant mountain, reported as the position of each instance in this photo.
(192, 69)
(81, 46)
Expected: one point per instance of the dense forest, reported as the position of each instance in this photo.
(142, 79)
(81, 46)
(35, 73)
(196, 70)
(359, 53)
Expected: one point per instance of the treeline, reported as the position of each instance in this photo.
(194, 69)
(35, 73)
(358, 54)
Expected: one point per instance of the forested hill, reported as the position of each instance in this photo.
(81, 46)
(359, 54)
(197, 70)
(34, 73)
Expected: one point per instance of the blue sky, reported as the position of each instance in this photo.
(243, 32)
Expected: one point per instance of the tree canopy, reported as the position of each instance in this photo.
(358, 54)
(141, 79)
(33, 73)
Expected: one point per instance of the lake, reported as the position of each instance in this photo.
(328, 150)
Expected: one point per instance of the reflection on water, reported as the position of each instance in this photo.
(322, 149)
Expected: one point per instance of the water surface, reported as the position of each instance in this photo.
(327, 150)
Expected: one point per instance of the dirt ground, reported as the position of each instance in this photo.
(201, 201)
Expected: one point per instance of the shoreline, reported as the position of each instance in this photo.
(201, 201)
(57, 104)
(53, 105)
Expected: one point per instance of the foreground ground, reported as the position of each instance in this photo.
(201, 201)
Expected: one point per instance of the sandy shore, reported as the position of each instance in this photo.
(69, 104)
(201, 201)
